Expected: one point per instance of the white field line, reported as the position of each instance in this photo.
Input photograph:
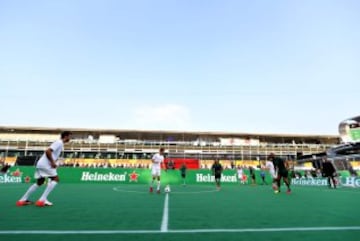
(165, 218)
(118, 189)
(243, 230)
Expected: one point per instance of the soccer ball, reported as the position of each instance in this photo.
(167, 189)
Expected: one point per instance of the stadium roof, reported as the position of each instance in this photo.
(177, 135)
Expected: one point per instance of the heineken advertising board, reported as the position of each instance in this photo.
(348, 181)
(21, 174)
(14, 175)
(118, 175)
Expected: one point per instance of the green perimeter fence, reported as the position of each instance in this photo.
(20, 174)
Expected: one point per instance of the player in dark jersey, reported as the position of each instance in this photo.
(329, 172)
(217, 170)
(252, 175)
(281, 170)
(183, 173)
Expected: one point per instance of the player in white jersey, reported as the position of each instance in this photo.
(269, 165)
(46, 168)
(240, 173)
(157, 159)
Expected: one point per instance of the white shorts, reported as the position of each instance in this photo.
(45, 172)
(240, 176)
(155, 172)
(273, 174)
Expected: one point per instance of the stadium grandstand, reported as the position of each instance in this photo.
(134, 148)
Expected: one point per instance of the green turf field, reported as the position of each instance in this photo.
(197, 212)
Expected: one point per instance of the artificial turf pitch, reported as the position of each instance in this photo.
(195, 212)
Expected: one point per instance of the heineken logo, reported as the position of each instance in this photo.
(103, 177)
(209, 178)
(16, 173)
(14, 177)
(309, 181)
(350, 182)
(345, 181)
(133, 176)
(9, 179)
(27, 179)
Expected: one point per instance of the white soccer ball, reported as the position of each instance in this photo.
(167, 189)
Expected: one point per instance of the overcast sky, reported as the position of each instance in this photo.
(228, 65)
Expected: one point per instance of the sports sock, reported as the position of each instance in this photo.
(275, 186)
(287, 184)
(329, 181)
(334, 182)
(158, 185)
(28, 193)
(278, 182)
(51, 185)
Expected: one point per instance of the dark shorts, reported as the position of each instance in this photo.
(183, 175)
(329, 175)
(217, 176)
(283, 173)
